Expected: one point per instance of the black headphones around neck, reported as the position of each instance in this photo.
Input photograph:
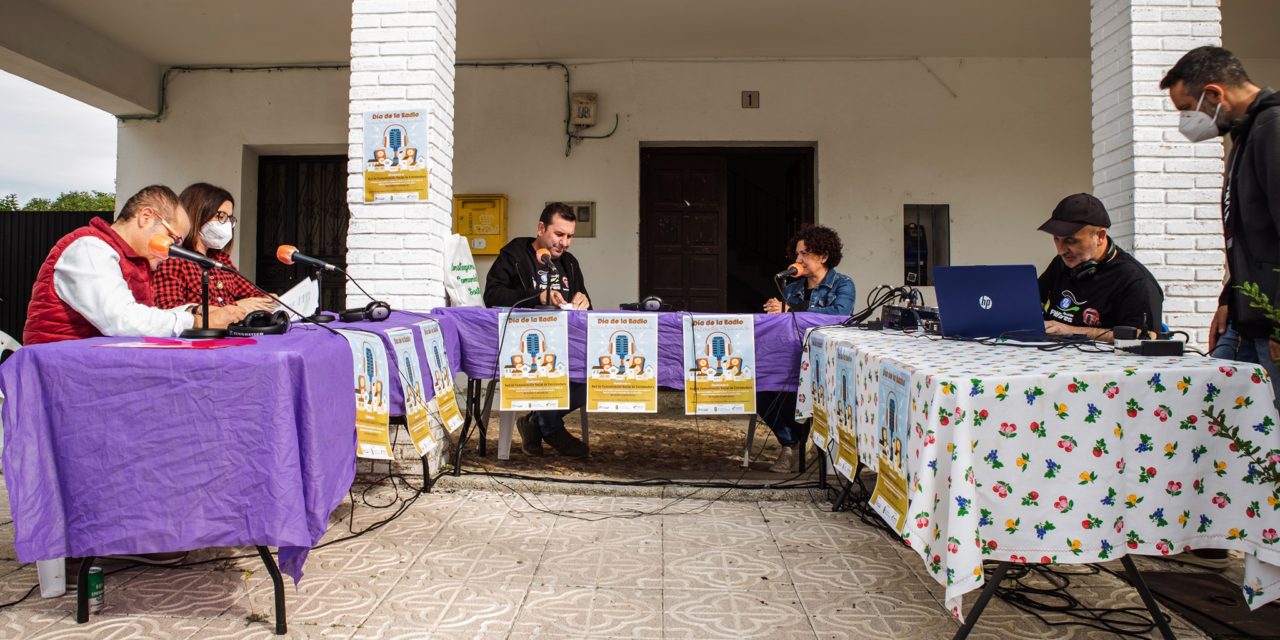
(260, 323)
(1090, 268)
(377, 311)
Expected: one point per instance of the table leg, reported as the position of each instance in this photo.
(992, 583)
(484, 415)
(1141, 585)
(506, 424)
(844, 495)
(278, 583)
(82, 590)
(426, 474)
(822, 470)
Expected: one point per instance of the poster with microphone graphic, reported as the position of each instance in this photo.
(845, 401)
(821, 364)
(373, 415)
(719, 364)
(622, 359)
(533, 359)
(889, 498)
(415, 402)
(445, 400)
(395, 162)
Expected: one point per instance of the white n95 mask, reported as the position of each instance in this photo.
(216, 235)
(1199, 126)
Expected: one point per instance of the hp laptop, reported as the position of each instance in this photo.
(989, 302)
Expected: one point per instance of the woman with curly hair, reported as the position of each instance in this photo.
(818, 288)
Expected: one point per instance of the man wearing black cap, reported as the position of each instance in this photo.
(1093, 285)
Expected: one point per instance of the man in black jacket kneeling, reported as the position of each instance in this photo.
(518, 279)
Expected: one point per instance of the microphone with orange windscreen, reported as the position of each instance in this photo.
(162, 246)
(794, 271)
(543, 257)
(288, 254)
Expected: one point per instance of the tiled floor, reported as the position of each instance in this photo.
(481, 564)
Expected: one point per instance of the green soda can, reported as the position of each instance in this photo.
(97, 587)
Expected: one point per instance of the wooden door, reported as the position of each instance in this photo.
(302, 201)
(683, 228)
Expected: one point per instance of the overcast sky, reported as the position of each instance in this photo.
(50, 143)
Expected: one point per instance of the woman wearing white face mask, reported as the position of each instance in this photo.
(213, 221)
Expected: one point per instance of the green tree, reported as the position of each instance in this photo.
(74, 201)
(9, 202)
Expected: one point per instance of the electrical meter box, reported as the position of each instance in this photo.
(483, 220)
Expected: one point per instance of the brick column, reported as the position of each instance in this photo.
(402, 56)
(1161, 190)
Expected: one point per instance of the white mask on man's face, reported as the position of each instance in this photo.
(216, 235)
(1199, 126)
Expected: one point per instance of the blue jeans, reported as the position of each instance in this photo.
(549, 422)
(1233, 346)
(778, 410)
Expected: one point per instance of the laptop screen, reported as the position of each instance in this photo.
(989, 301)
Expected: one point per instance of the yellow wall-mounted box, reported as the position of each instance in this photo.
(483, 220)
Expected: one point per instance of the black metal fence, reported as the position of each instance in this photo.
(25, 240)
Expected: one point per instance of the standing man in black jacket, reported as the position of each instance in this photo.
(518, 279)
(1215, 96)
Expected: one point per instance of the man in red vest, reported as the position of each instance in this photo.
(96, 280)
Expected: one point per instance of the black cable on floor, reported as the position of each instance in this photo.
(1129, 622)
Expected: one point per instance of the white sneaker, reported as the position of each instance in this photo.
(787, 461)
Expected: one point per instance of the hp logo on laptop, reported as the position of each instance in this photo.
(984, 302)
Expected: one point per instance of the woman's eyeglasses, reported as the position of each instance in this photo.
(222, 216)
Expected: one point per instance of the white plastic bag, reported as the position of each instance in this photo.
(461, 281)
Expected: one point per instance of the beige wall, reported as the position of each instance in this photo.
(218, 123)
(1013, 140)
(887, 133)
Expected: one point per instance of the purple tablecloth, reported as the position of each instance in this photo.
(409, 320)
(119, 450)
(778, 342)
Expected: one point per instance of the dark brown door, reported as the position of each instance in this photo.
(302, 201)
(682, 228)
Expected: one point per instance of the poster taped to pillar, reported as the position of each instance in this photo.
(622, 357)
(845, 435)
(395, 156)
(446, 399)
(889, 498)
(415, 402)
(819, 387)
(534, 359)
(719, 364)
(373, 415)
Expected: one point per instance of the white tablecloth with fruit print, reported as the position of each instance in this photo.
(1025, 455)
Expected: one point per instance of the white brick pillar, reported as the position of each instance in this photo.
(1161, 190)
(402, 57)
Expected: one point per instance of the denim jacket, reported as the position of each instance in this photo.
(835, 295)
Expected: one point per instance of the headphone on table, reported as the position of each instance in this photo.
(650, 303)
(260, 323)
(376, 311)
(1090, 268)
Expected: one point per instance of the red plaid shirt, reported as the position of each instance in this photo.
(177, 282)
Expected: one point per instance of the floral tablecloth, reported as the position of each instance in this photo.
(1034, 456)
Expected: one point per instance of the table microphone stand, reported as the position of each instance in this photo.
(551, 275)
(320, 317)
(204, 333)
